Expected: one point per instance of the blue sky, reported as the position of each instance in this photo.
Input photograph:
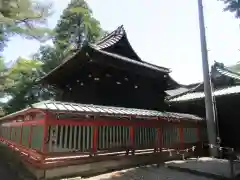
(162, 32)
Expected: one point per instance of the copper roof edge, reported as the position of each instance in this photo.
(103, 110)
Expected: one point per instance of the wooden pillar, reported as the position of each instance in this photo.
(159, 139)
(45, 132)
(132, 139)
(95, 139)
(181, 137)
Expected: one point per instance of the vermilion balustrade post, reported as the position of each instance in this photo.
(30, 132)
(45, 132)
(132, 139)
(95, 137)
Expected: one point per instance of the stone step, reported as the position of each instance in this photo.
(205, 166)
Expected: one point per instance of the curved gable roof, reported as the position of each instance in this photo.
(111, 39)
(116, 47)
(117, 42)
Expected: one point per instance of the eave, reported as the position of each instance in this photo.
(97, 110)
(105, 47)
(200, 95)
(193, 93)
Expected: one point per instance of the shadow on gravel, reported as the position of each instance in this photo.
(11, 168)
(150, 172)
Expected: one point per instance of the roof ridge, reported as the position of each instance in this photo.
(186, 92)
(118, 31)
(220, 67)
(232, 71)
(113, 39)
(216, 92)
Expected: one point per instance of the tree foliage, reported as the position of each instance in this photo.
(24, 17)
(232, 6)
(50, 56)
(20, 17)
(24, 89)
(2, 76)
(76, 25)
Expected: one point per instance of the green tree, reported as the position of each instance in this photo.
(22, 70)
(2, 76)
(28, 19)
(232, 6)
(24, 17)
(50, 56)
(76, 25)
(2, 65)
(3, 38)
(25, 90)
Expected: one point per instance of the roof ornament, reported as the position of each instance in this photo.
(111, 39)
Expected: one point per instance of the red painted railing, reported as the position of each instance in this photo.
(43, 138)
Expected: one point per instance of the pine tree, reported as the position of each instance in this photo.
(24, 17)
(76, 25)
(232, 6)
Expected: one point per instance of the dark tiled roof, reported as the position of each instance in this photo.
(117, 40)
(105, 110)
(200, 95)
(102, 46)
(182, 91)
(175, 92)
(228, 73)
(65, 106)
(128, 60)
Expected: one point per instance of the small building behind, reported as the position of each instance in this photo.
(226, 97)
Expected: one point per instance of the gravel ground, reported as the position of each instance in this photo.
(148, 173)
(6, 172)
(219, 167)
(10, 166)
